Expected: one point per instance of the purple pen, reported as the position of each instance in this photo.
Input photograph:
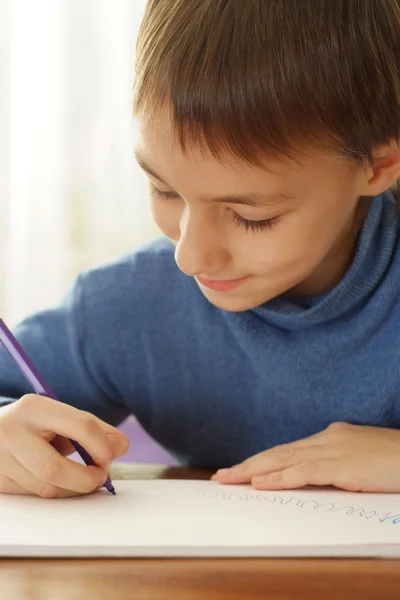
(39, 385)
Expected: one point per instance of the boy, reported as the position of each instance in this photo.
(263, 330)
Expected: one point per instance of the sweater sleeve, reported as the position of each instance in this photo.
(57, 343)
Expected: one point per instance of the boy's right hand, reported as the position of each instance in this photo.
(34, 443)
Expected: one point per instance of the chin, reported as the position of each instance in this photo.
(233, 303)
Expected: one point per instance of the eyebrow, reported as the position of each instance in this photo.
(249, 199)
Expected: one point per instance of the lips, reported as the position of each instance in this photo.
(221, 285)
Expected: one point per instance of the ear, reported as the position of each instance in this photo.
(383, 172)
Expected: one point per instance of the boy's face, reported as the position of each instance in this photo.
(248, 234)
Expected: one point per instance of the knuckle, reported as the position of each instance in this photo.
(49, 472)
(86, 422)
(308, 468)
(246, 467)
(338, 426)
(285, 454)
(49, 492)
(278, 477)
(28, 401)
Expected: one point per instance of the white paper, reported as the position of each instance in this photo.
(201, 518)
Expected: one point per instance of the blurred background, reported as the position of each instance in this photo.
(71, 194)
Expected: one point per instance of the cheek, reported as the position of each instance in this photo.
(167, 218)
(280, 258)
(291, 251)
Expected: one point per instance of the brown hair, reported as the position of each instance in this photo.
(261, 77)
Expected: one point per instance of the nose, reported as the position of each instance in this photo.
(200, 249)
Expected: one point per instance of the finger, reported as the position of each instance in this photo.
(8, 486)
(62, 445)
(45, 463)
(285, 451)
(18, 480)
(307, 473)
(36, 401)
(118, 440)
(119, 443)
(45, 414)
(276, 459)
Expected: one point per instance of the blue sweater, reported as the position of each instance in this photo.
(214, 387)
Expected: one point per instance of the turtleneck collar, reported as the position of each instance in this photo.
(375, 248)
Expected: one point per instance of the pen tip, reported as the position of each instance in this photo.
(109, 486)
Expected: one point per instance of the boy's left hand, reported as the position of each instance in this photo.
(351, 457)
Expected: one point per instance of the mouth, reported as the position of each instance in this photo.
(221, 285)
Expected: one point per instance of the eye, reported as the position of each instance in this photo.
(263, 225)
(162, 195)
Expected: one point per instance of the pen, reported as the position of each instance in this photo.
(39, 385)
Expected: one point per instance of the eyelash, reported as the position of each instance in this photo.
(254, 226)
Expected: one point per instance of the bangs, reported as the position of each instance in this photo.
(213, 121)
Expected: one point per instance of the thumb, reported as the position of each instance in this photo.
(119, 443)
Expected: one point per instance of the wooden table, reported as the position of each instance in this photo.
(195, 579)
